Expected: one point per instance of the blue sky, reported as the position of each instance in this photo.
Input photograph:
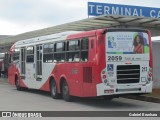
(19, 16)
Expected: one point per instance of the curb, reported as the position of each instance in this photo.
(144, 98)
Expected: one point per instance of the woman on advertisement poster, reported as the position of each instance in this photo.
(138, 44)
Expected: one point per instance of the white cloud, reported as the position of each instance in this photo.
(18, 16)
(43, 10)
(10, 28)
(27, 15)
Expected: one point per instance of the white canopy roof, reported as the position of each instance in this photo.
(104, 21)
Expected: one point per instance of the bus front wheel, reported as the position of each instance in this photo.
(53, 90)
(65, 92)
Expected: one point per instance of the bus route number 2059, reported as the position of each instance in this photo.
(114, 58)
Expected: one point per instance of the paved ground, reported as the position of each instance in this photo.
(155, 93)
(11, 99)
(152, 97)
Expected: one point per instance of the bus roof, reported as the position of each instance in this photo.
(44, 39)
(64, 36)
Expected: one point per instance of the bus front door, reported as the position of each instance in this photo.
(38, 63)
(30, 77)
(22, 64)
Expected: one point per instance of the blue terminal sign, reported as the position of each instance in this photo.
(96, 9)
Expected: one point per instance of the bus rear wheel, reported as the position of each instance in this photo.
(65, 92)
(17, 83)
(53, 90)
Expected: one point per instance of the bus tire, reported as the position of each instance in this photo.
(53, 90)
(17, 83)
(65, 92)
(107, 98)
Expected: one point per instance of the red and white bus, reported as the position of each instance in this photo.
(103, 62)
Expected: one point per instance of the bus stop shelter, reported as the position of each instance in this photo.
(104, 21)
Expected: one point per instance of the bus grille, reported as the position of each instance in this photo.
(87, 74)
(128, 74)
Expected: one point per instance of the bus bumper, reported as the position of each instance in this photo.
(103, 89)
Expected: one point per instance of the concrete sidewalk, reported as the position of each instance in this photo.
(152, 97)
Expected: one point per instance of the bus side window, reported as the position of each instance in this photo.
(16, 55)
(84, 50)
(30, 54)
(48, 50)
(73, 51)
(59, 52)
